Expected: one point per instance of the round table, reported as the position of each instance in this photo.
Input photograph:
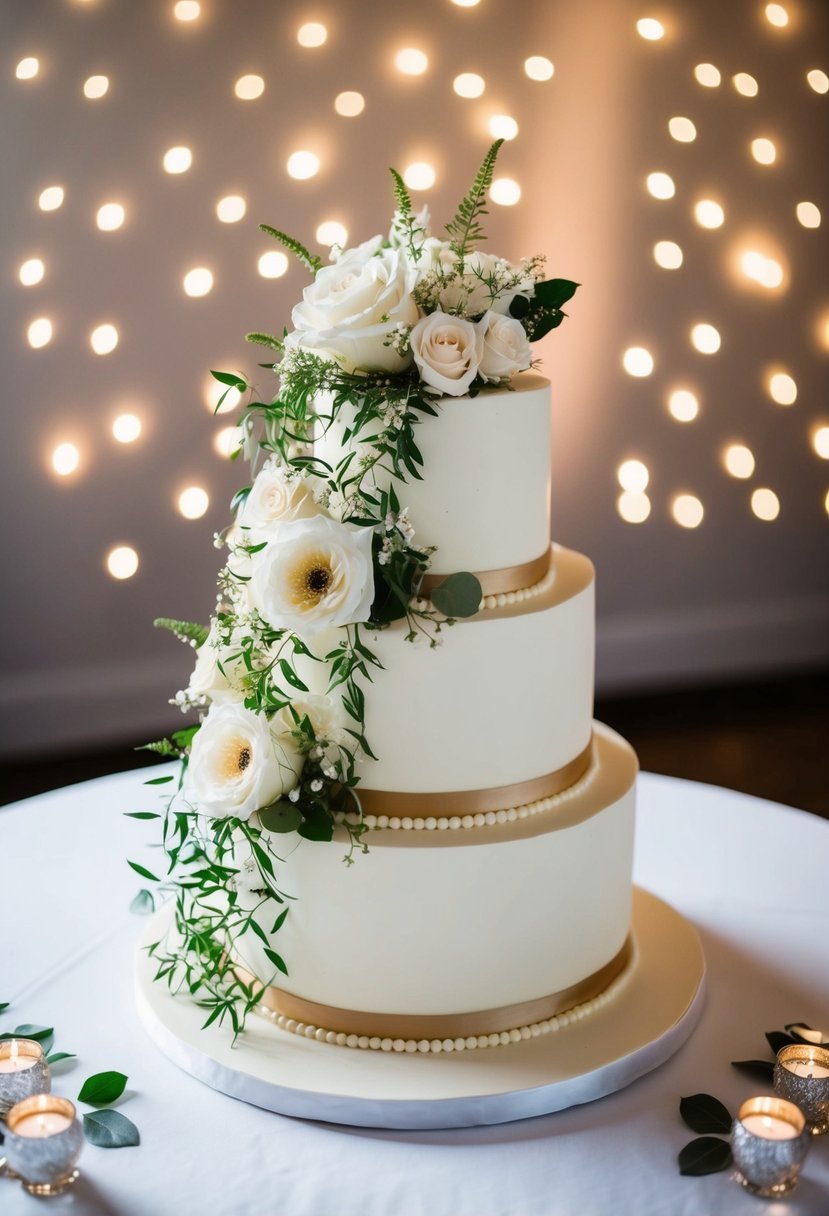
(752, 876)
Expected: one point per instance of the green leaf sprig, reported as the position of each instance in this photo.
(107, 1128)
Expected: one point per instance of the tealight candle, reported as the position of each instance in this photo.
(43, 1142)
(801, 1075)
(23, 1071)
(769, 1141)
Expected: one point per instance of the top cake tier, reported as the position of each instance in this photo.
(485, 500)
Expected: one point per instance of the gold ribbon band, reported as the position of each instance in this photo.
(441, 1026)
(473, 802)
(499, 582)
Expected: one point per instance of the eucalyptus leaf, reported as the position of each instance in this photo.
(143, 903)
(159, 780)
(316, 825)
(761, 1070)
(103, 1088)
(141, 815)
(4, 1006)
(44, 1035)
(283, 816)
(110, 1129)
(707, 1155)
(459, 595)
(55, 1057)
(703, 1113)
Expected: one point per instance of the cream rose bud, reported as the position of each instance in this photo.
(350, 310)
(220, 670)
(241, 762)
(506, 349)
(274, 498)
(315, 574)
(447, 351)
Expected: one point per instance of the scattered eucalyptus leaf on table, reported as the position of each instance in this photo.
(4, 1006)
(44, 1035)
(761, 1070)
(55, 1057)
(110, 1129)
(103, 1088)
(704, 1113)
(706, 1155)
(459, 595)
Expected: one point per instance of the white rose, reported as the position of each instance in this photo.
(352, 307)
(240, 761)
(326, 715)
(447, 351)
(274, 498)
(219, 671)
(316, 573)
(506, 349)
(365, 249)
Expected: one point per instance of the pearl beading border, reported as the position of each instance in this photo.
(534, 1030)
(504, 598)
(483, 819)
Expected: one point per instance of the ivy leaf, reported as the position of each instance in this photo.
(283, 816)
(459, 595)
(707, 1155)
(702, 1113)
(143, 903)
(103, 1088)
(776, 1039)
(761, 1070)
(110, 1129)
(56, 1056)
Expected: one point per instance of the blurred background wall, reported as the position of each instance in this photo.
(669, 156)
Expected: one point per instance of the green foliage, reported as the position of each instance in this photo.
(309, 260)
(465, 230)
(265, 340)
(110, 1129)
(459, 595)
(706, 1155)
(103, 1088)
(703, 1113)
(185, 631)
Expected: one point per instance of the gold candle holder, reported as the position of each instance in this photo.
(23, 1071)
(801, 1075)
(769, 1141)
(43, 1142)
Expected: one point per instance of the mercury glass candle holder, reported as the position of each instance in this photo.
(801, 1075)
(43, 1141)
(23, 1071)
(769, 1141)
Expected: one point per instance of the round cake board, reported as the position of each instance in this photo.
(648, 1019)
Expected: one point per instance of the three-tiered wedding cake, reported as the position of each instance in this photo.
(402, 663)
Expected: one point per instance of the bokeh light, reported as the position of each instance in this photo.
(660, 185)
(539, 67)
(765, 504)
(682, 130)
(683, 405)
(763, 151)
(420, 175)
(31, 272)
(177, 159)
(122, 561)
(469, 84)
(634, 508)
(51, 198)
(126, 428)
(633, 476)
(273, 264)
(650, 29)
(302, 165)
(198, 282)
(332, 232)
(231, 208)
(65, 459)
(193, 502)
(349, 104)
(808, 214)
(249, 88)
(707, 75)
(745, 85)
(705, 338)
(667, 254)
(39, 333)
(104, 338)
(411, 61)
(27, 68)
(96, 87)
(505, 191)
(312, 34)
(782, 387)
(637, 361)
(110, 217)
(687, 510)
(820, 441)
(738, 460)
(503, 126)
(708, 213)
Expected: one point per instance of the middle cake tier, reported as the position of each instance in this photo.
(501, 711)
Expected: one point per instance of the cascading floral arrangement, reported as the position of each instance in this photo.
(319, 556)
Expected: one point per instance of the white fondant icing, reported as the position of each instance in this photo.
(485, 498)
(506, 698)
(447, 922)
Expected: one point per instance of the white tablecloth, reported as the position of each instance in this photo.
(752, 875)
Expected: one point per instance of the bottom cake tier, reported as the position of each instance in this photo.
(462, 931)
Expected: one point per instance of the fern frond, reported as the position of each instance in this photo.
(264, 340)
(185, 631)
(401, 194)
(464, 230)
(309, 260)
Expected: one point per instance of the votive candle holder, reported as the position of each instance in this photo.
(769, 1141)
(23, 1071)
(43, 1141)
(801, 1075)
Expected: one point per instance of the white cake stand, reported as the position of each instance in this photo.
(647, 1021)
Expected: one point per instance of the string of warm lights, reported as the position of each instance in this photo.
(759, 263)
